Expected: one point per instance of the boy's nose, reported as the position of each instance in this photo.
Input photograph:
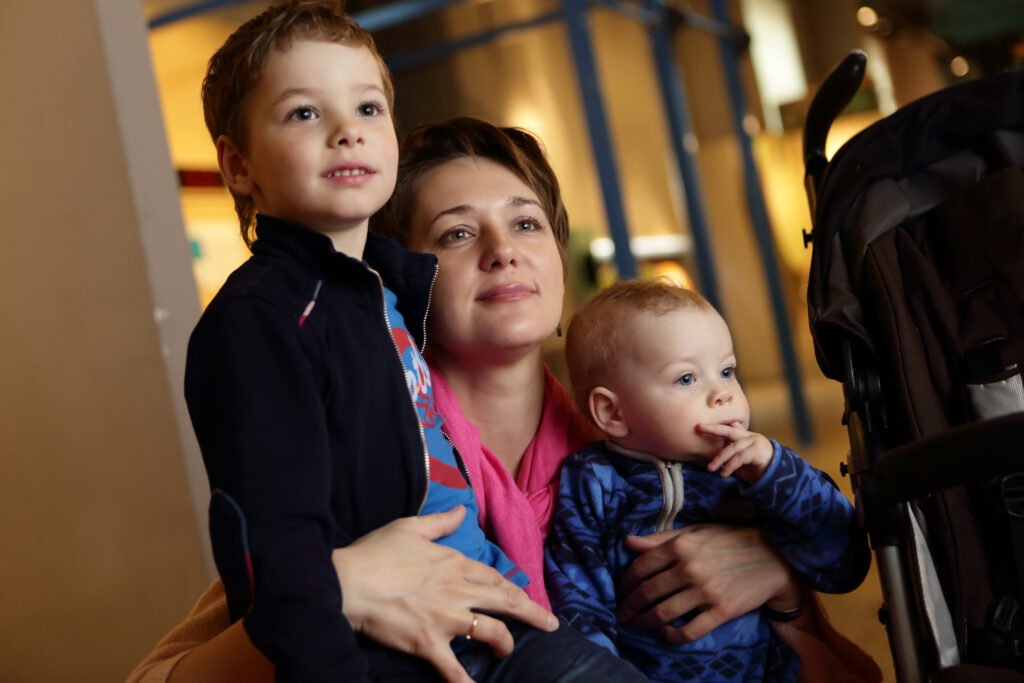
(348, 133)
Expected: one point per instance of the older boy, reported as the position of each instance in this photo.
(307, 391)
(653, 366)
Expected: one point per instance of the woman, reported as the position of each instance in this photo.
(486, 202)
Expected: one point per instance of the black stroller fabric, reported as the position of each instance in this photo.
(898, 169)
(918, 274)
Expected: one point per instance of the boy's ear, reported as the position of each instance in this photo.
(234, 167)
(605, 411)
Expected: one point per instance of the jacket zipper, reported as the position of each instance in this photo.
(459, 459)
(673, 487)
(674, 492)
(412, 401)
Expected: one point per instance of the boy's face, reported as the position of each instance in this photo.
(677, 371)
(321, 150)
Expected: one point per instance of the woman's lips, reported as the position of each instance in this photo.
(513, 291)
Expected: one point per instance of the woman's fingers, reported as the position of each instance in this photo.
(702, 624)
(411, 594)
(722, 571)
(660, 613)
(494, 633)
(434, 525)
(652, 559)
(443, 659)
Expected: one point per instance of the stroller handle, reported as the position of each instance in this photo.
(833, 95)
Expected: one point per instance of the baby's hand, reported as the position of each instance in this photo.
(748, 454)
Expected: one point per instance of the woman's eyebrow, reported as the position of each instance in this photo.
(460, 209)
(522, 201)
(456, 210)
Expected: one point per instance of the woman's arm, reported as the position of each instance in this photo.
(725, 571)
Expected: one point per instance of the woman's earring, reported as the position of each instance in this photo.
(558, 330)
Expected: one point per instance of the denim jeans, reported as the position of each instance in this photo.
(561, 656)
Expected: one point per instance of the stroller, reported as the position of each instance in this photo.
(916, 304)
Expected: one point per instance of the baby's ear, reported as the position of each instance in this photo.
(604, 410)
(233, 167)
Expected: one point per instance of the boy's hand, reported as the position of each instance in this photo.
(745, 453)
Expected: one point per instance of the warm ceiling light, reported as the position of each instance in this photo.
(959, 66)
(867, 16)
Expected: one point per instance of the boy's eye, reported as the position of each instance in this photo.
(728, 373)
(370, 109)
(303, 114)
(686, 379)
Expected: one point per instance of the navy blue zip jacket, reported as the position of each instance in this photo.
(296, 341)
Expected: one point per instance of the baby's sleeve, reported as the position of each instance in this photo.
(811, 522)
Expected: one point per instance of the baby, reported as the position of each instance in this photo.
(653, 366)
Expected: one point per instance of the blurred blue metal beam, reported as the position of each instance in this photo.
(684, 145)
(416, 57)
(188, 11)
(395, 13)
(729, 50)
(575, 16)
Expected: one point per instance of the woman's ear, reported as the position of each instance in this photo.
(604, 409)
(234, 167)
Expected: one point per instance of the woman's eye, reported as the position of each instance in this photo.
(528, 225)
(686, 380)
(303, 114)
(370, 109)
(728, 373)
(454, 235)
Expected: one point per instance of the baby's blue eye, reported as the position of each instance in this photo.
(686, 380)
(728, 373)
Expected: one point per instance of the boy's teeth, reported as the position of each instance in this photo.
(347, 172)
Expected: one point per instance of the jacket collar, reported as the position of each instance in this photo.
(410, 275)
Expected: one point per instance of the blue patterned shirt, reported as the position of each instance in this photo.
(606, 495)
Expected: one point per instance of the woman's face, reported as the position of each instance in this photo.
(499, 284)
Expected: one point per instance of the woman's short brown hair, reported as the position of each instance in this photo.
(429, 146)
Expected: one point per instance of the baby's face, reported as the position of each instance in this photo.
(678, 371)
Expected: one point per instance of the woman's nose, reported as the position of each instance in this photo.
(498, 251)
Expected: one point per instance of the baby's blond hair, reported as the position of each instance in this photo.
(598, 328)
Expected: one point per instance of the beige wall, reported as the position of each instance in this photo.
(100, 549)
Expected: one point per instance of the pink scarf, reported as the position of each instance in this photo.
(516, 513)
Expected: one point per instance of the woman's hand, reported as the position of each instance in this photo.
(722, 571)
(413, 595)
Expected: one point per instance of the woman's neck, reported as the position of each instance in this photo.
(504, 401)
